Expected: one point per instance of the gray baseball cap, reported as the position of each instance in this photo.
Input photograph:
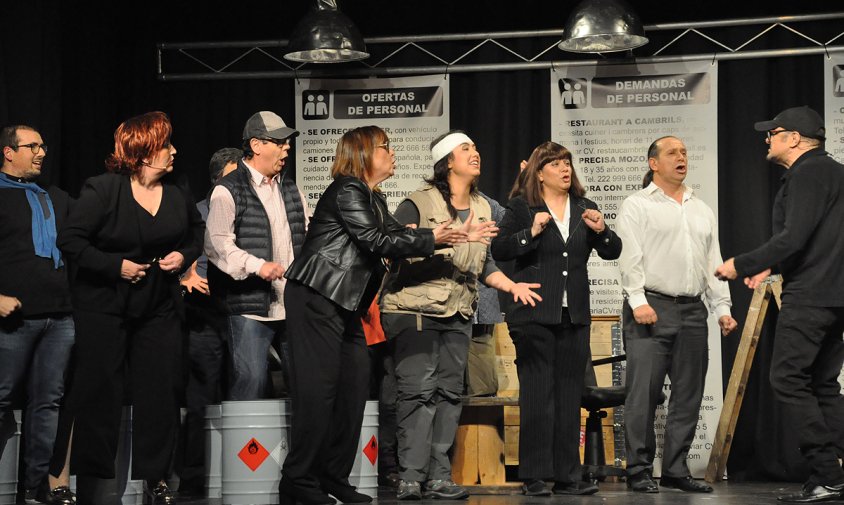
(267, 125)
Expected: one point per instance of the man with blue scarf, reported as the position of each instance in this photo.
(36, 327)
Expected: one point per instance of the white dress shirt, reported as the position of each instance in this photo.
(671, 248)
(220, 246)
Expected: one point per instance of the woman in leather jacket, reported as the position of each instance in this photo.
(331, 285)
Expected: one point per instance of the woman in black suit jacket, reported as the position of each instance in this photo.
(332, 283)
(129, 235)
(550, 230)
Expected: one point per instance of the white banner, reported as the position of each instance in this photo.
(608, 116)
(834, 109)
(834, 118)
(412, 110)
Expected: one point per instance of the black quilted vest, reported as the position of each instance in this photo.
(252, 234)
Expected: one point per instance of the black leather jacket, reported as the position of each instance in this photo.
(350, 232)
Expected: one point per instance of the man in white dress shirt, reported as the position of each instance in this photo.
(670, 249)
(256, 225)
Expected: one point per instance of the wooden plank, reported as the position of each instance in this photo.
(512, 416)
(738, 382)
(464, 460)
(490, 401)
(601, 331)
(511, 445)
(508, 377)
(491, 468)
(601, 349)
(503, 343)
(776, 288)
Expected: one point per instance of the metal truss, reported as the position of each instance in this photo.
(768, 37)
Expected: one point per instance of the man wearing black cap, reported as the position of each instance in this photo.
(808, 246)
(256, 225)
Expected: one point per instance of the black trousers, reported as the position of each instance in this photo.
(808, 354)
(329, 387)
(205, 355)
(108, 348)
(551, 363)
(677, 346)
(384, 372)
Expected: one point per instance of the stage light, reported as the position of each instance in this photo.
(602, 26)
(326, 35)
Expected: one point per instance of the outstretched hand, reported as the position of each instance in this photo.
(481, 231)
(523, 292)
(449, 236)
(193, 281)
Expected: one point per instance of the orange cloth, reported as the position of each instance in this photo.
(372, 325)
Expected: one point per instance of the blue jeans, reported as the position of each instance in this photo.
(33, 356)
(249, 343)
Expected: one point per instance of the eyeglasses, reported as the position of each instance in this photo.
(35, 147)
(772, 134)
(385, 145)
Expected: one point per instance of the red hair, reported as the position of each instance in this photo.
(136, 139)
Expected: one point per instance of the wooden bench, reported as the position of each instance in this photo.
(478, 459)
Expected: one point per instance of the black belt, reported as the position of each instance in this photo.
(675, 299)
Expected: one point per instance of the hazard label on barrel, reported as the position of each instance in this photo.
(371, 450)
(253, 454)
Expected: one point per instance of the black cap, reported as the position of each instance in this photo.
(267, 125)
(802, 120)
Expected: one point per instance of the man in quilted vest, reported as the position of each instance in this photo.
(256, 225)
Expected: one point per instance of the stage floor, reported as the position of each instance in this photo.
(616, 494)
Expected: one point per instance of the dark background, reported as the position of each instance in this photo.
(75, 70)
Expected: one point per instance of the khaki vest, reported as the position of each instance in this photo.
(447, 282)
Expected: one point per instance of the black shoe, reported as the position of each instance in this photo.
(535, 487)
(686, 483)
(443, 489)
(290, 494)
(642, 482)
(60, 495)
(157, 493)
(812, 493)
(344, 491)
(580, 487)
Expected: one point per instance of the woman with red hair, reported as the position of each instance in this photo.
(132, 231)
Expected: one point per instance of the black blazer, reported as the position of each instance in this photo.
(102, 231)
(349, 234)
(560, 266)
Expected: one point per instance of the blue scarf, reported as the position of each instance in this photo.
(43, 227)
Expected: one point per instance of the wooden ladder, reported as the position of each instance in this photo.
(738, 377)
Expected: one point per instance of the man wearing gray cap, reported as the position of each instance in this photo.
(256, 225)
(807, 246)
